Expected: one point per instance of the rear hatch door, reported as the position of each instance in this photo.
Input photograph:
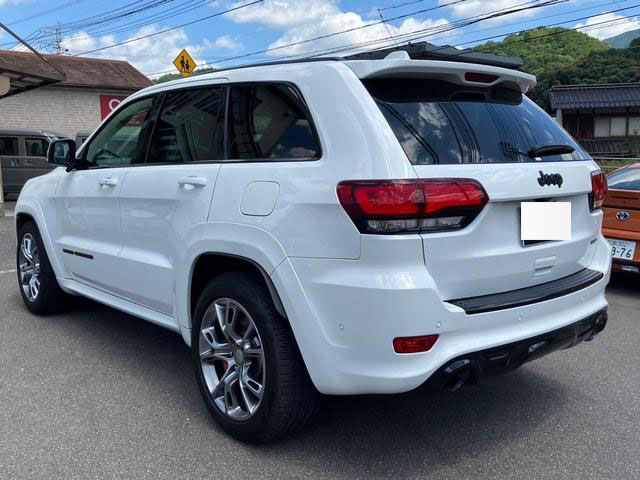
(489, 134)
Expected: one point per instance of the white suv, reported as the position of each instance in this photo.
(335, 227)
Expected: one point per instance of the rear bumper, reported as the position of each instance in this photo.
(346, 313)
(468, 369)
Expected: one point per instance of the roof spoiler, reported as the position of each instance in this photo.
(427, 51)
(399, 64)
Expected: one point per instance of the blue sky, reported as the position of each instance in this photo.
(275, 24)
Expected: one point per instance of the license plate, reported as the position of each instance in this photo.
(622, 249)
(543, 221)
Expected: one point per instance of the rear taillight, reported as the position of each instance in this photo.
(598, 189)
(412, 206)
(423, 343)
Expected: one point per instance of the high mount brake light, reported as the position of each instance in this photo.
(599, 189)
(480, 77)
(412, 206)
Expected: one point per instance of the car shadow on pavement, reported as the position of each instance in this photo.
(624, 283)
(401, 436)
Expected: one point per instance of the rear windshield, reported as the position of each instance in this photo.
(437, 122)
(628, 179)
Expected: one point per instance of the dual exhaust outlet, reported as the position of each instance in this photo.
(467, 371)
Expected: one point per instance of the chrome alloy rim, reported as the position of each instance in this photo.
(29, 265)
(232, 359)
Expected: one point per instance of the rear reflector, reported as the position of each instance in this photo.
(480, 77)
(423, 343)
(412, 206)
(598, 189)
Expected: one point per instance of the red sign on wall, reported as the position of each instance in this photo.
(108, 103)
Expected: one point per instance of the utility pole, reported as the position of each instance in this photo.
(59, 49)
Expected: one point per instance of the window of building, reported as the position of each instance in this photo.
(119, 142)
(36, 147)
(602, 127)
(8, 145)
(269, 122)
(618, 126)
(615, 126)
(190, 128)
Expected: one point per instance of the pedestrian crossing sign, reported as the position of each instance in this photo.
(184, 63)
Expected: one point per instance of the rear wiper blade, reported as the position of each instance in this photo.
(546, 150)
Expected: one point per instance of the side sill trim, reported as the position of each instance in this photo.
(528, 295)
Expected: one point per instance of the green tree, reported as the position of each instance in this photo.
(546, 52)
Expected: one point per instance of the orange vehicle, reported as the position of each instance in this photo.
(621, 224)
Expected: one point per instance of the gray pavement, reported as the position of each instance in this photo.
(95, 393)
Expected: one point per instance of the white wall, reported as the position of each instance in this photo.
(61, 110)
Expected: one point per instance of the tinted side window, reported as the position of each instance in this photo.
(190, 128)
(269, 122)
(8, 145)
(36, 147)
(119, 142)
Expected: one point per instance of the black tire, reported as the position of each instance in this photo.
(290, 401)
(50, 299)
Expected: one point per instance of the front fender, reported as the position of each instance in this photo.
(30, 206)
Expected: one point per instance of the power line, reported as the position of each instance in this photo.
(475, 20)
(400, 5)
(172, 28)
(423, 35)
(386, 39)
(143, 22)
(45, 12)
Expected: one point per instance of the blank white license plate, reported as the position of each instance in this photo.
(622, 249)
(545, 221)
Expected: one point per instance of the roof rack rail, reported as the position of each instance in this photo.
(427, 51)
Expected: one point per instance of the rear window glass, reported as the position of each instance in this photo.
(8, 145)
(628, 179)
(437, 122)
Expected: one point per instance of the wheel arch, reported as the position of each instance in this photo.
(210, 265)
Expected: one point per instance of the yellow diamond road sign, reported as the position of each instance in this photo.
(184, 63)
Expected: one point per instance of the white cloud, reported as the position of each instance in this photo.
(471, 8)
(12, 2)
(621, 24)
(149, 55)
(283, 13)
(224, 42)
(306, 19)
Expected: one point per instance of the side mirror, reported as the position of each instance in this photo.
(62, 152)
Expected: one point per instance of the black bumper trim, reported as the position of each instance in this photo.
(526, 296)
(504, 358)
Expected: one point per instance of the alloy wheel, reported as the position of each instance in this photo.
(232, 359)
(29, 266)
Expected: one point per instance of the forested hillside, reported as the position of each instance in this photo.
(559, 56)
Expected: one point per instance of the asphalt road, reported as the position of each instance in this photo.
(95, 393)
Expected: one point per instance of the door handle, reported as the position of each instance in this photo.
(109, 182)
(197, 182)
